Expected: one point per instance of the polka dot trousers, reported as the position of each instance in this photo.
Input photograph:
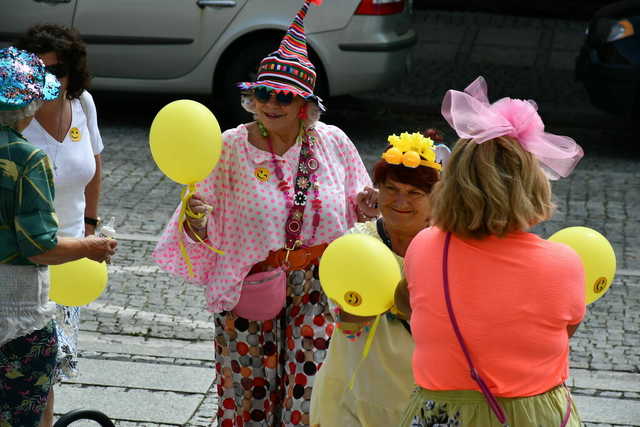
(265, 370)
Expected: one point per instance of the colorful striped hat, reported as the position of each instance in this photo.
(288, 69)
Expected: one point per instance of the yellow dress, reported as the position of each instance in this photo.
(383, 383)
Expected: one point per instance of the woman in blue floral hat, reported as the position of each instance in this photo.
(28, 241)
(66, 129)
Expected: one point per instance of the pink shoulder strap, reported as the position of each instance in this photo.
(490, 398)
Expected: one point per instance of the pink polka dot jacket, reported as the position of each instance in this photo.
(249, 210)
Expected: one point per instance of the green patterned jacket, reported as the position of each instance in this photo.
(28, 223)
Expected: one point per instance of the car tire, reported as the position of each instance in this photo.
(239, 64)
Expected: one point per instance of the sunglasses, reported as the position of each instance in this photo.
(59, 70)
(263, 94)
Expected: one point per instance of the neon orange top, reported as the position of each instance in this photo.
(513, 298)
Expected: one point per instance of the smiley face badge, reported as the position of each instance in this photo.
(263, 174)
(75, 134)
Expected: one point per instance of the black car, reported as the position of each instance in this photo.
(566, 9)
(609, 61)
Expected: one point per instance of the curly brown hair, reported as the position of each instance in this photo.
(68, 47)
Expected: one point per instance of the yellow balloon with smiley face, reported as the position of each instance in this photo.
(360, 273)
(597, 256)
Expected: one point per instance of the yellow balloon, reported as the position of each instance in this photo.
(77, 282)
(597, 255)
(185, 141)
(360, 273)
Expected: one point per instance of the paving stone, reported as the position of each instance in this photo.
(520, 57)
(140, 406)
(567, 40)
(605, 380)
(146, 346)
(520, 38)
(508, 56)
(150, 376)
(606, 410)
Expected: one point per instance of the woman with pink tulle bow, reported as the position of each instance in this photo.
(492, 305)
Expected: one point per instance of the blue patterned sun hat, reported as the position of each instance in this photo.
(23, 79)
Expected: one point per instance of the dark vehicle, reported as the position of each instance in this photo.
(609, 62)
(566, 9)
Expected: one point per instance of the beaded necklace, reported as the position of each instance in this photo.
(383, 233)
(305, 180)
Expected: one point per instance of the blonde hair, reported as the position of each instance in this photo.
(492, 188)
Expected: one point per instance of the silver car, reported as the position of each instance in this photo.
(205, 46)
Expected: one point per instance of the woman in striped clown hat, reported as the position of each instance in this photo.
(286, 185)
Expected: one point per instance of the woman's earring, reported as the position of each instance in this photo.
(302, 114)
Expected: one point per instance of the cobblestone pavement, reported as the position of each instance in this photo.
(521, 57)
(603, 193)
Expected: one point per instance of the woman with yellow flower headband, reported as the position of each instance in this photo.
(404, 176)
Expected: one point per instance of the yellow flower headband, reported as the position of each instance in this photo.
(411, 150)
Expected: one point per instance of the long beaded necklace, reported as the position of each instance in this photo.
(305, 180)
(57, 143)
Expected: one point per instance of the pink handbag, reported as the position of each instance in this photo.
(263, 295)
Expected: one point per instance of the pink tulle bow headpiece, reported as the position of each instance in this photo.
(472, 116)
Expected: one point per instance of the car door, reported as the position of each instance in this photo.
(151, 39)
(18, 15)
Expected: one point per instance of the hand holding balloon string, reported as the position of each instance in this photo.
(197, 212)
(189, 162)
(108, 231)
(100, 248)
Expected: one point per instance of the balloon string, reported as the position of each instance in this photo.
(218, 251)
(365, 350)
(186, 194)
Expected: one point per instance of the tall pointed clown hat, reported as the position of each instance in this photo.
(288, 69)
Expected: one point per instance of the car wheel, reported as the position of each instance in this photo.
(240, 64)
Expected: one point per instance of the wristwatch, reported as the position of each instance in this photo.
(92, 221)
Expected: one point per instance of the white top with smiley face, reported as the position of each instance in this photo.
(72, 161)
